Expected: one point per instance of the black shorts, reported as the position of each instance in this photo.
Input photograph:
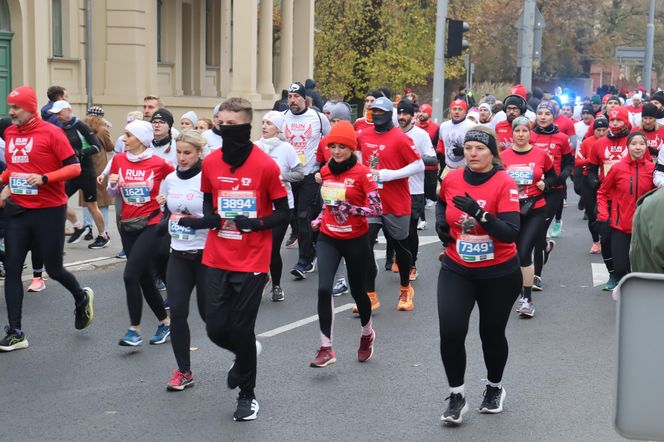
(87, 182)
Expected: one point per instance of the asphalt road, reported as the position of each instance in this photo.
(82, 386)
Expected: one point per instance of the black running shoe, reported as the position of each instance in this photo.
(88, 236)
(100, 242)
(77, 235)
(291, 242)
(247, 408)
(493, 400)
(455, 409)
(550, 244)
(299, 271)
(14, 340)
(84, 313)
(277, 293)
(388, 265)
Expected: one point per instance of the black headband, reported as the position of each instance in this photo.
(484, 138)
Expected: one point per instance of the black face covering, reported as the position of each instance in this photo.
(237, 144)
(383, 122)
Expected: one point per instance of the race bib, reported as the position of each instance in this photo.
(137, 192)
(522, 175)
(180, 232)
(18, 185)
(332, 192)
(475, 248)
(231, 203)
(608, 165)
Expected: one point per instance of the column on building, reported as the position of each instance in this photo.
(265, 85)
(245, 42)
(303, 40)
(226, 55)
(286, 45)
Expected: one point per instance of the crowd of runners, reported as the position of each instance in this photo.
(204, 207)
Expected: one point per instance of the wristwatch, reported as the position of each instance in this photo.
(483, 217)
(44, 179)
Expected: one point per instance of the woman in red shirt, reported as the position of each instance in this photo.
(350, 196)
(136, 175)
(477, 219)
(625, 183)
(533, 172)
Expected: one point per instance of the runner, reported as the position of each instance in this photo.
(350, 196)
(651, 128)
(238, 246)
(486, 116)
(425, 122)
(292, 171)
(213, 135)
(515, 106)
(533, 172)
(163, 144)
(181, 196)
(589, 194)
(39, 160)
(188, 120)
(392, 158)
(606, 152)
(137, 174)
(625, 183)
(477, 219)
(421, 140)
(546, 136)
(303, 129)
(451, 136)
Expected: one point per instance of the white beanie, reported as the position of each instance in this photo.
(191, 116)
(637, 96)
(276, 118)
(328, 106)
(141, 130)
(486, 106)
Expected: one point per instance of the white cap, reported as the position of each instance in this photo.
(276, 118)
(191, 116)
(141, 130)
(58, 106)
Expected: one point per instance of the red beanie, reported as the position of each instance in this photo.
(459, 102)
(23, 97)
(427, 109)
(606, 97)
(620, 113)
(519, 90)
(343, 133)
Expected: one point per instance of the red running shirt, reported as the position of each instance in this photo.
(352, 186)
(527, 169)
(323, 153)
(391, 150)
(498, 195)
(504, 135)
(606, 152)
(39, 150)
(139, 184)
(655, 139)
(249, 190)
(362, 124)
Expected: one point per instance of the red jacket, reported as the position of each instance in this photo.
(625, 183)
(504, 135)
(582, 158)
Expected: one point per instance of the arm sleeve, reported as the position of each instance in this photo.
(409, 170)
(504, 227)
(279, 215)
(593, 175)
(566, 167)
(550, 178)
(90, 137)
(71, 169)
(295, 174)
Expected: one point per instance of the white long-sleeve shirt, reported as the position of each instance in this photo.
(422, 142)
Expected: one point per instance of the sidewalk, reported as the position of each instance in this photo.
(78, 257)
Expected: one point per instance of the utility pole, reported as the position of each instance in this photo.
(439, 62)
(650, 37)
(528, 37)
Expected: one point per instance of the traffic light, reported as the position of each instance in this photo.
(455, 41)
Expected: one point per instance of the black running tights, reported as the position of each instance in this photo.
(142, 249)
(457, 296)
(620, 251)
(402, 253)
(183, 274)
(276, 264)
(41, 229)
(356, 254)
(554, 201)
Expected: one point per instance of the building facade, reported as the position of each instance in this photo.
(191, 53)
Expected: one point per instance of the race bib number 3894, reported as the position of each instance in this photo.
(231, 203)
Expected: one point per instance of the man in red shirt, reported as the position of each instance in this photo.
(392, 158)
(240, 185)
(515, 105)
(39, 161)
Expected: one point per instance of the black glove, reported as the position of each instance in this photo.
(443, 231)
(246, 224)
(603, 228)
(207, 222)
(468, 205)
(458, 151)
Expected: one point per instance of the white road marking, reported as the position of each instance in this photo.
(425, 240)
(600, 274)
(300, 323)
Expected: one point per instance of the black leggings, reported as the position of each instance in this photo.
(276, 264)
(559, 211)
(43, 230)
(531, 229)
(307, 206)
(620, 251)
(231, 307)
(457, 295)
(590, 207)
(403, 258)
(142, 248)
(554, 200)
(356, 253)
(185, 271)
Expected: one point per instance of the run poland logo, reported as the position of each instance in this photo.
(19, 148)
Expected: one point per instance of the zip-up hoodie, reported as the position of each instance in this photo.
(625, 183)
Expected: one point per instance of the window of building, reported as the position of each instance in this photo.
(56, 25)
(212, 33)
(159, 20)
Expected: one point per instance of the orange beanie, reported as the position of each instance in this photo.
(343, 133)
